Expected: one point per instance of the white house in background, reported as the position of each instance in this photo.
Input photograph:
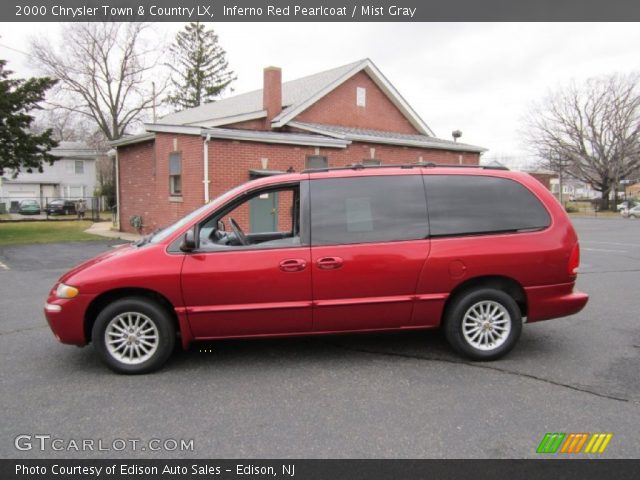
(73, 176)
(573, 189)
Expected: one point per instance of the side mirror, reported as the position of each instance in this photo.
(188, 241)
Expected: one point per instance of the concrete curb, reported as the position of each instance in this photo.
(104, 229)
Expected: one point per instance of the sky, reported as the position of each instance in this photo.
(480, 78)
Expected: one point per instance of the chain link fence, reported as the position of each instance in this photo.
(54, 208)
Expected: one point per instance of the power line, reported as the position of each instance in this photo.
(15, 50)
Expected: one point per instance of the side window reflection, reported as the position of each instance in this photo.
(268, 219)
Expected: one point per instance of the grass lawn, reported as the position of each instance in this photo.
(585, 209)
(592, 214)
(15, 233)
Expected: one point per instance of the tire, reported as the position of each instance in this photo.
(154, 333)
(499, 332)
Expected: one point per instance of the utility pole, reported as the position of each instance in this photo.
(153, 88)
(560, 181)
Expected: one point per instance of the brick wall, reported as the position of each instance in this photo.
(144, 181)
(144, 170)
(339, 108)
(136, 178)
(543, 178)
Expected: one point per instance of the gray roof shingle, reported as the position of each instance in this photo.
(378, 136)
(294, 92)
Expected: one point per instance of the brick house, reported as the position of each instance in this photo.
(347, 115)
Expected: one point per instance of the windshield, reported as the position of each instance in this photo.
(160, 235)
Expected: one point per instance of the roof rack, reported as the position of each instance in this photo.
(360, 166)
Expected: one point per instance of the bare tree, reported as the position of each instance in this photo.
(104, 73)
(64, 124)
(590, 132)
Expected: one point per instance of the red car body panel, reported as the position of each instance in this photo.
(247, 293)
(374, 288)
(332, 289)
(124, 268)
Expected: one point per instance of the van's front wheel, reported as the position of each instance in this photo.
(483, 324)
(133, 335)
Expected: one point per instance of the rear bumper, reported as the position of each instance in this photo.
(553, 301)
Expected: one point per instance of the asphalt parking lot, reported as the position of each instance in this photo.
(385, 396)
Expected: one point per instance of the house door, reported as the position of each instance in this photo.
(263, 213)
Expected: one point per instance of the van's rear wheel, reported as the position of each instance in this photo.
(483, 324)
(133, 335)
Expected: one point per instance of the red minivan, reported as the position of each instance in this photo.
(476, 251)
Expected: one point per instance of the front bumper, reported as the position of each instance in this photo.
(66, 318)
(554, 301)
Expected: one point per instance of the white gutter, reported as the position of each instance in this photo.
(206, 180)
(129, 140)
(162, 128)
(276, 137)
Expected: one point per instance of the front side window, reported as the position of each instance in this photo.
(368, 209)
(268, 218)
(175, 173)
(467, 205)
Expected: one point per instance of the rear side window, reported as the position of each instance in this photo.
(467, 205)
(368, 209)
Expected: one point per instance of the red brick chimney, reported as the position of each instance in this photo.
(272, 93)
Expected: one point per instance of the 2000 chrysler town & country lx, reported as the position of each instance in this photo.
(472, 250)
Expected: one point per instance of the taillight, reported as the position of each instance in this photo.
(574, 260)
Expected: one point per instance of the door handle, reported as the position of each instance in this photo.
(293, 265)
(330, 263)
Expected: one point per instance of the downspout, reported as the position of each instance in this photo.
(205, 180)
(117, 160)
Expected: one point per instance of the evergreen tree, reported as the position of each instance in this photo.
(19, 147)
(200, 71)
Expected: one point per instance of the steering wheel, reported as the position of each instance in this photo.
(242, 238)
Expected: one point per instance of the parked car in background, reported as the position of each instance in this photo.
(29, 207)
(471, 250)
(631, 213)
(626, 205)
(60, 206)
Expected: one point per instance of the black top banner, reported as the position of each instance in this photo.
(317, 10)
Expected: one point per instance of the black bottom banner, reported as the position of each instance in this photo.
(318, 469)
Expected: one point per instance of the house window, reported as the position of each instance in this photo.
(79, 167)
(175, 174)
(361, 97)
(316, 162)
(371, 162)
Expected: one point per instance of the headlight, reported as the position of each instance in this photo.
(66, 291)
